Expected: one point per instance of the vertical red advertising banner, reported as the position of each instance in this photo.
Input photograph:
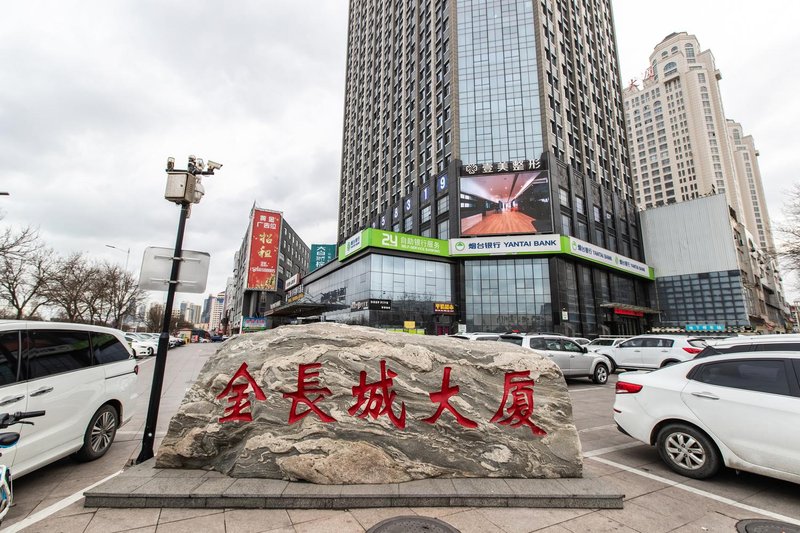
(265, 238)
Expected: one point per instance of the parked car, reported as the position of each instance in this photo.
(653, 351)
(140, 349)
(573, 359)
(751, 343)
(477, 336)
(605, 342)
(152, 345)
(216, 338)
(740, 410)
(83, 376)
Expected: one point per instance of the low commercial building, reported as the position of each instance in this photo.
(711, 273)
(530, 283)
(271, 253)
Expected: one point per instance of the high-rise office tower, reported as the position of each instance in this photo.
(682, 145)
(475, 118)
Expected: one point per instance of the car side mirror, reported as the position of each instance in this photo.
(584, 349)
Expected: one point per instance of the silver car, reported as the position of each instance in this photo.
(574, 360)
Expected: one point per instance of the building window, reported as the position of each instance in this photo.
(408, 224)
(598, 217)
(580, 207)
(425, 214)
(670, 68)
(566, 224)
(442, 204)
(563, 194)
(443, 229)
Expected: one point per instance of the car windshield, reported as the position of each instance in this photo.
(602, 342)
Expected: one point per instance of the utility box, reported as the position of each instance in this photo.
(180, 187)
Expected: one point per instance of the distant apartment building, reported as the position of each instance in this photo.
(216, 312)
(270, 253)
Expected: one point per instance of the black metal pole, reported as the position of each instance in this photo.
(149, 437)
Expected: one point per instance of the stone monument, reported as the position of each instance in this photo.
(336, 404)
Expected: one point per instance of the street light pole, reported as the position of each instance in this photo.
(148, 439)
(184, 188)
(127, 254)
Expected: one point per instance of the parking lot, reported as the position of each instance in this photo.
(50, 499)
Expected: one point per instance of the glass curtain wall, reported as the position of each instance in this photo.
(508, 294)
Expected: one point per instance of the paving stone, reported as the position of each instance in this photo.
(110, 520)
(537, 487)
(63, 524)
(471, 522)
(212, 487)
(168, 487)
(596, 523)
(256, 520)
(369, 517)
(118, 485)
(253, 487)
(174, 515)
(427, 486)
(206, 524)
(385, 489)
(518, 520)
(483, 486)
(182, 473)
(342, 522)
(310, 489)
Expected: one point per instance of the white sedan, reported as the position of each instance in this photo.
(739, 410)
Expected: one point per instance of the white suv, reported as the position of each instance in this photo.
(83, 377)
(573, 359)
(653, 351)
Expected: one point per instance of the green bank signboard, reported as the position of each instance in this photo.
(321, 254)
(390, 240)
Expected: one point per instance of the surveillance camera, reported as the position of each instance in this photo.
(170, 163)
(201, 166)
(212, 165)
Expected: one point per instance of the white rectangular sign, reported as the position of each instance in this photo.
(514, 244)
(157, 268)
(597, 254)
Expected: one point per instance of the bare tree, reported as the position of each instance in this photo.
(790, 250)
(24, 280)
(121, 293)
(71, 288)
(15, 242)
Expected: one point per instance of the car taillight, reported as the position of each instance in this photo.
(693, 351)
(623, 387)
(136, 370)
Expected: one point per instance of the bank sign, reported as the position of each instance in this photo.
(390, 240)
(321, 255)
(510, 245)
(596, 254)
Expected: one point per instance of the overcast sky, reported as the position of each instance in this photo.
(95, 95)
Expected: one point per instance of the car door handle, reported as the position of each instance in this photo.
(43, 390)
(706, 395)
(11, 399)
(637, 350)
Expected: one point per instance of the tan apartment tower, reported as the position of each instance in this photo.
(681, 144)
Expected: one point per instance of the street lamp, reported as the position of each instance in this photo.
(127, 254)
(184, 187)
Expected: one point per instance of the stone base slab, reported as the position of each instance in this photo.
(146, 486)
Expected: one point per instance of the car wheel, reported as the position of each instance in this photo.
(688, 451)
(149, 350)
(613, 365)
(600, 375)
(99, 434)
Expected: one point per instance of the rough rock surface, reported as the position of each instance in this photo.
(356, 449)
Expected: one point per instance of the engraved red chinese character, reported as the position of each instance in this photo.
(443, 399)
(239, 399)
(307, 383)
(519, 387)
(377, 399)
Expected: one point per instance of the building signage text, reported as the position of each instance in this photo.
(372, 304)
(600, 255)
(504, 166)
(517, 244)
(375, 399)
(444, 308)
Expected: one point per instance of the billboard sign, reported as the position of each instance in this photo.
(321, 254)
(519, 244)
(372, 304)
(444, 308)
(505, 199)
(294, 281)
(265, 238)
(253, 323)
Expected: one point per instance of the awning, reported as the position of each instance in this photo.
(303, 307)
(630, 307)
